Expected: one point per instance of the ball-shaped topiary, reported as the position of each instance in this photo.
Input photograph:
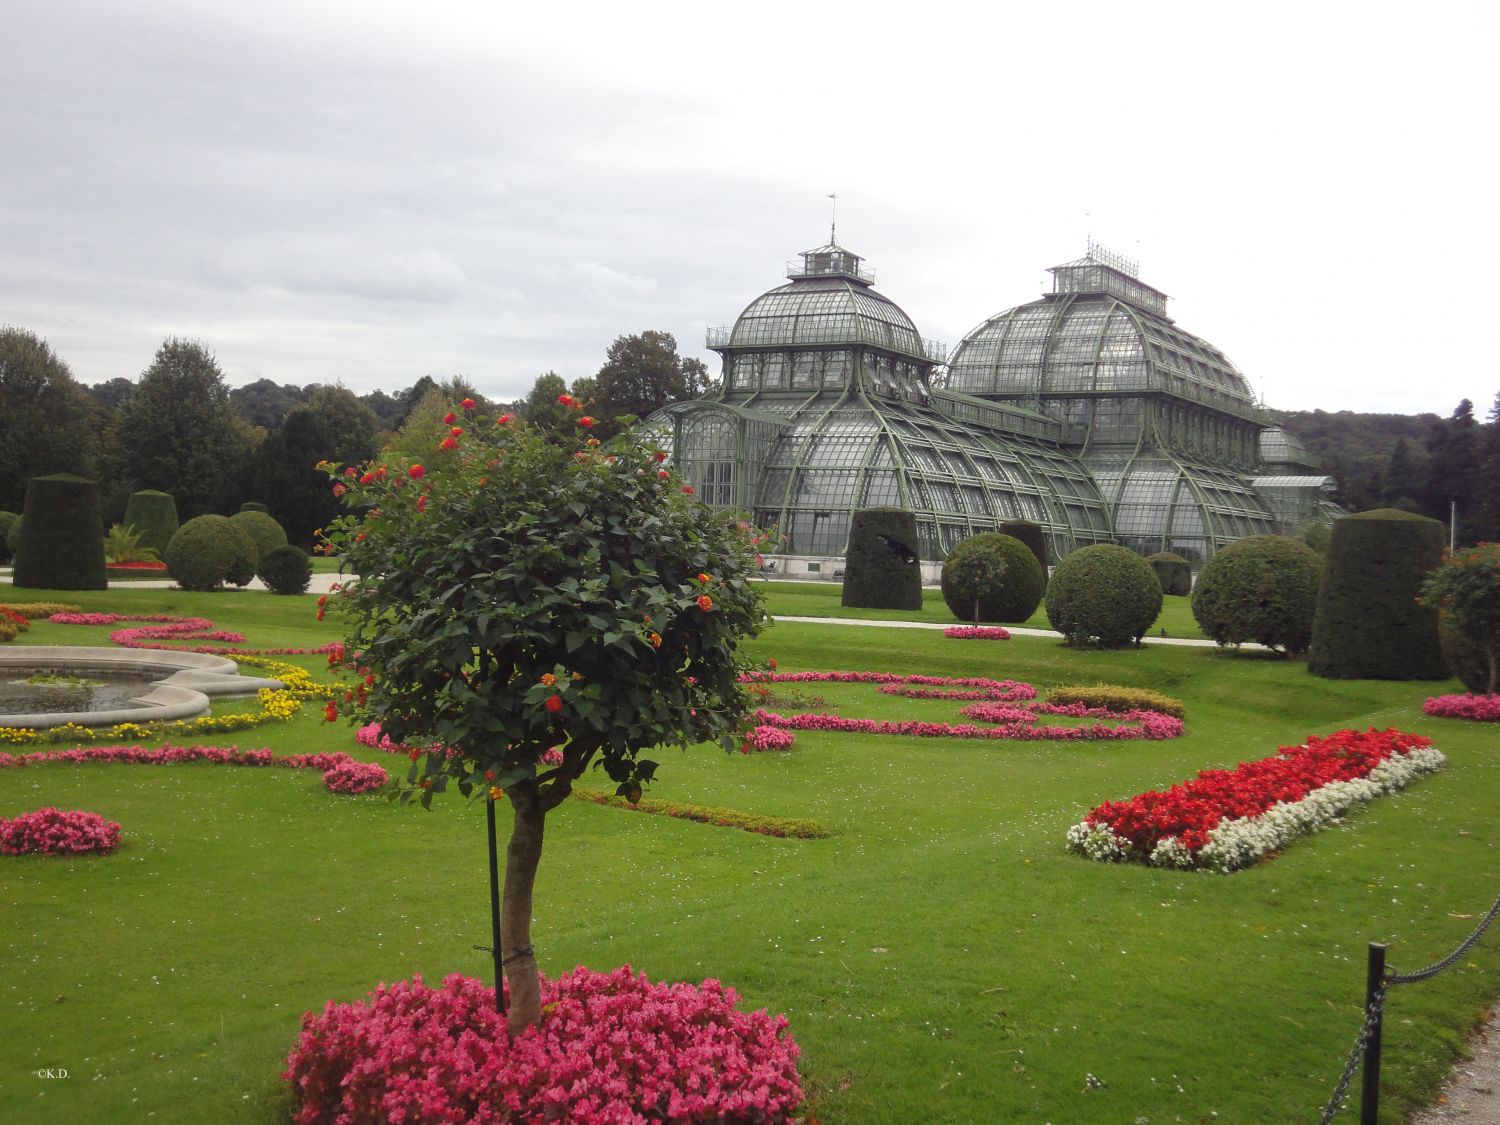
(1174, 573)
(1369, 624)
(61, 542)
(1263, 589)
(992, 577)
(883, 569)
(1033, 536)
(1103, 594)
(263, 531)
(153, 514)
(207, 551)
(8, 520)
(285, 570)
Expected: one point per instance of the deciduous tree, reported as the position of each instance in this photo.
(48, 422)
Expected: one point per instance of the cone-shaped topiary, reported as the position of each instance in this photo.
(263, 531)
(1103, 594)
(153, 514)
(1263, 589)
(1369, 624)
(61, 543)
(209, 550)
(883, 569)
(285, 570)
(992, 577)
(1174, 573)
(254, 506)
(1034, 537)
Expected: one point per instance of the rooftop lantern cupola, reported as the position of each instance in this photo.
(831, 260)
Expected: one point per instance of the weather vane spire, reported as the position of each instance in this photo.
(833, 226)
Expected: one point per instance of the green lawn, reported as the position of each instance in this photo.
(940, 957)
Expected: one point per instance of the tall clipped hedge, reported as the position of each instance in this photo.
(1369, 624)
(1105, 595)
(8, 520)
(62, 540)
(1014, 597)
(254, 506)
(883, 569)
(153, 514)
(1174, 572)
(1263, 589)
(1034, 537)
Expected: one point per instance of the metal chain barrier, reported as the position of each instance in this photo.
(1367, 1043)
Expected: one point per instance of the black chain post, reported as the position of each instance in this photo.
(489, 811)
(1369, 1096)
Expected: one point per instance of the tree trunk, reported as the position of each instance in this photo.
(522, 854)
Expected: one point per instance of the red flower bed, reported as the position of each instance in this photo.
(1192, 809)
(611, 1048)
(135, 567)
(52, 831)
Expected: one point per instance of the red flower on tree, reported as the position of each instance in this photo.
(416, 472)
(468, 404)
(554, 703)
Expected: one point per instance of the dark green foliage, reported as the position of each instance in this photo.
(285, 570)
(8, 520)
(13, 539)
(153, 514)
(1033, 536)
(1466, 658)
(48, 422)
(1174, 573)
(209, 550)
(1368, 624)
(1466, 591)
(1103, 594)
(1013, 597)
(61, 545)
(263, 531)
(254, 506)
(641, 374)
(1263, 589)
(882, 569)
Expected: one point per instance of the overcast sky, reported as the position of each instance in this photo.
(368, 192)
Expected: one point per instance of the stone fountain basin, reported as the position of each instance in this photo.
(180, 682)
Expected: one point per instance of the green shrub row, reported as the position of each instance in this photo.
(706, 814)
(1113, 697)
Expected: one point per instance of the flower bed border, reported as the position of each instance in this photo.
(1472, 706)
(977, 633)
(58, 832)
(348, 780)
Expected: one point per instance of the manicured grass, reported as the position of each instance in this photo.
(822, 599)
(940, 956)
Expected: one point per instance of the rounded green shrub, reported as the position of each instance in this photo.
(1466, 657)
(153, 514)
(285, 570)
(883, 569)
(992, 577)
(61, 541)
(254, 506)
(1105, 595)
(8, 521)
(1033, 536)
(208, 551)
(1263, 589)
(1466, 592)
(263, 531)
(1369, 624)
(1174, 573)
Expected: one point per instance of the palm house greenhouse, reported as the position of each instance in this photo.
(1088, 412)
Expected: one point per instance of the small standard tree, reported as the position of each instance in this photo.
(515, 595)
(992, 577)
(1466, 591)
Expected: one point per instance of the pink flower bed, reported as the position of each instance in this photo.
(166, 626)
(352, 776)
(611, 1048)
(1005, 703)
(52, 831)
(977, 633)
(766, 738)
(1479, 708)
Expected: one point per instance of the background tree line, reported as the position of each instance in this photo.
(180, 428)
(1418, 463)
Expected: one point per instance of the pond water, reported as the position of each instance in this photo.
(98, 692)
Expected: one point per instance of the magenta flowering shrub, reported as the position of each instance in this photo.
(766, 738)
(977, 633)
(353, 777)
(610, 1048)
(1479, 708)
(52, 831)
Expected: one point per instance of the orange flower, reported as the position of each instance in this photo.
(705, 603)
(548, 678)
(496, 793)
(655, 639)
(704, 577)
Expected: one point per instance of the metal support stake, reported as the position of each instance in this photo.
(489, 810)
(1369, 1102)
